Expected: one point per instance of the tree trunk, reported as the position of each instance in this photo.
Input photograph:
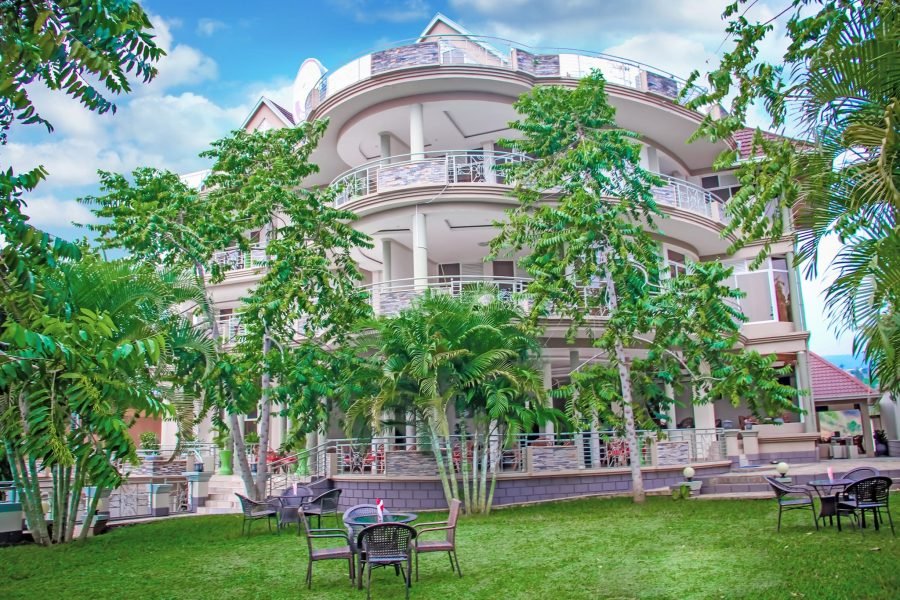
(634, 451)
(240, 456)
(262, 461)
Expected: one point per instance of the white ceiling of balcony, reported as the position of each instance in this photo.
(449, 125)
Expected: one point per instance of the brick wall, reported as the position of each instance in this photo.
(426, 53)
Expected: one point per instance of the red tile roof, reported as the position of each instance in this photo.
(831, 381)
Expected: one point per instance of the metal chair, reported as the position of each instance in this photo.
(385, 545)
(255, 510)
(871, 494)
(325, 503)
(860, 473)
(447, 545)
(334, 553)
(792, 497)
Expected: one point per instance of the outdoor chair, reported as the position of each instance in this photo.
(870, 494)
(792, 497)
(323, 504)
(255, 510)
(448, 544)
(289, 503)
(354, 512)
(861, 473)
(385, 545)
(344, 552)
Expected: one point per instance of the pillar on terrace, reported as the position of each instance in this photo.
(670, 409)
(574, 363)
(548, 385)
(490, 176)
(384, 143)
(416, 132)
(704, 414)
(420, 251)
(387, 264)
(411, 428)
(652, 159)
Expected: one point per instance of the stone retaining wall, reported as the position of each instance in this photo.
(156, 466)
(410, 463)
(673, 453)
(551, 458)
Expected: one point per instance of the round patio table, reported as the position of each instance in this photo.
(356, 525)
(828, 491)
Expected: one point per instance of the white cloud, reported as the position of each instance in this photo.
(51, 212)
(824, 340)
(181, 65)
(208, 27)
(682, 54)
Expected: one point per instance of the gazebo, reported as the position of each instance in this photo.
(842, 402)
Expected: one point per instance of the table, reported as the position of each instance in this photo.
(825, 489)
(354, 526)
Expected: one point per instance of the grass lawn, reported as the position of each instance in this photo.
(598, 548)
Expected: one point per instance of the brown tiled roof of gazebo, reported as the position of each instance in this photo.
(830, 381)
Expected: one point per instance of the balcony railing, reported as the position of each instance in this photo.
(429, 168)
(235, 259)
(390, 297)
(496, 53)
(230, 328)
(687, 196)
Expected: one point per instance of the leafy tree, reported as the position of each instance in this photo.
(597, 233)
(837, 84)
(471, 351)
(307, 295)
(101, 341)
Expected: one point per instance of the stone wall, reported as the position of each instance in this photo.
(410, 463)
(421, 172)
(391, 302)
(664, 86)
(551, 458)
(539, 65)
(155, 466)
(673, 453)
(426, 53)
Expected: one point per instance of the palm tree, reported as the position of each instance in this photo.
(472, 352)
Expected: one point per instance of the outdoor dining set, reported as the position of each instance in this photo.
(857, 492)
(372, 537)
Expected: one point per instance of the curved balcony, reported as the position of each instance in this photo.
(451, 167)
(496, 53)
(390, 297)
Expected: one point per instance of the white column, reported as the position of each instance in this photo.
(652, 159)
(387, 262)
(574, 362)
(490, 176)
(548, 385)
(416, 132)
(411, 428)
(670, 409)
(384, 142)
(420, 251)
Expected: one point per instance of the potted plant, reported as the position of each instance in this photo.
(149, 444)
(881, 443)
(222, 440)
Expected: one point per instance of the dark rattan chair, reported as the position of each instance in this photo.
(325, 503)
(386, 545)
(792, 497)
(861, 473)
(289, 503)
(871, 494)
(447, 545)
(343, 552)
(255, 510)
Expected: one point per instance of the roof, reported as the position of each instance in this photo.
(743, 139)
(442, 18)
(282, 113)
(831, 381)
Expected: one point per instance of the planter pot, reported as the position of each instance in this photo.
(225, 462)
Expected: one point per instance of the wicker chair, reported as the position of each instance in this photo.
(871, 494)
(360, 510)
(385, 545)
(256, 510)
(289, 503)
(447, 545)
(344, 552)
(325, 503)
(792, 497)
(861, 473)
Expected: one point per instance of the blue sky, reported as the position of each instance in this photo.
(223, 55)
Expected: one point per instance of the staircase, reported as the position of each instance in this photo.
(221, 498)
(735, 486)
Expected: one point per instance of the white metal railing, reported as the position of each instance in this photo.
(685, 195)
(444, 167)
(496, 53)
(390, 297)
(235, 259)
(230, 328)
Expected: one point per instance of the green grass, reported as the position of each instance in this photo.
(583, 549)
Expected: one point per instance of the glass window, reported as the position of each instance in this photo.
(676, 262)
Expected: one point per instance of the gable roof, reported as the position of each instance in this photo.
(743, 139)
(442, 18)
(282, 113)
(831, 381)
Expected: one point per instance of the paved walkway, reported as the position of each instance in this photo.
(839, 465)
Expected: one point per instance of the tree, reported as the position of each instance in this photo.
(101, 340)
(837, 86)
(307, 295)
(473, 352)
(595, 232)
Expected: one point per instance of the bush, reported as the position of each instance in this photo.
(149, 441)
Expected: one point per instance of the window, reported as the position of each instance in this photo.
(677, 263)
(767, 289)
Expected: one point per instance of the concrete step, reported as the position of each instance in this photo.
(211, 510)
(731, 488)
(735, 479)
(223, 497)
(221, 504)
(737, 496)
